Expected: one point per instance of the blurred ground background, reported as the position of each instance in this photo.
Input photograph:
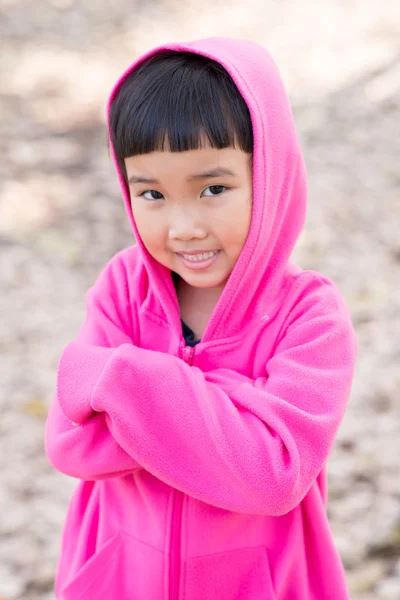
(62, 218)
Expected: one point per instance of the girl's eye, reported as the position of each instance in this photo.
(151, 195)
(216, 190)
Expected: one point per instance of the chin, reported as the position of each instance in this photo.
(205, 283)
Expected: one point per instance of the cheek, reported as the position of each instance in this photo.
(150, 229)
(234, 229)
(246, 216)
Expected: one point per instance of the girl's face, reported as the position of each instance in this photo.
(193, 210)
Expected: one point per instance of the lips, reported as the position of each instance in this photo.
(199, 261)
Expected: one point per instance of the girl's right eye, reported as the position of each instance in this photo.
(152, 195)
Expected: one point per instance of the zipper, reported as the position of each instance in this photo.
(175, 549)
(176, 519)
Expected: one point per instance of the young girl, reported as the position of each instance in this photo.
(200, 400)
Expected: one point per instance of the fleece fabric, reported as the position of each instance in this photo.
(203, 469)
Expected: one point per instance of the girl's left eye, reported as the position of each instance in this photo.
(216, 190)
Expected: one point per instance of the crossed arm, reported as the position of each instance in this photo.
(251, 446)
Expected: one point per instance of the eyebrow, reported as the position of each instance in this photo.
(219, 172)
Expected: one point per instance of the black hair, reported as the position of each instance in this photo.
(175, 101)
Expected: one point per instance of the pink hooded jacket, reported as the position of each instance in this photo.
(203, 470)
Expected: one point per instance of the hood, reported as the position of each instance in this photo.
(279, 190)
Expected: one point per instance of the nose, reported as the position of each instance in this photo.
(186, 224)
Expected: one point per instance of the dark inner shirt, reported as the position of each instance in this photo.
(188, 333)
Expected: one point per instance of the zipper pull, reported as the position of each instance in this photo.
(188, 352)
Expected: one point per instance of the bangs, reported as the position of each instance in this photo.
(178, 101)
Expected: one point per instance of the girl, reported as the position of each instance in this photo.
(199, 402)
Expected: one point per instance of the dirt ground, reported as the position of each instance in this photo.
(62, 218)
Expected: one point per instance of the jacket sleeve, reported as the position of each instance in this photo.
(77, 440)
(250, 446)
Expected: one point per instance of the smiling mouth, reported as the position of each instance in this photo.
(201, 256)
